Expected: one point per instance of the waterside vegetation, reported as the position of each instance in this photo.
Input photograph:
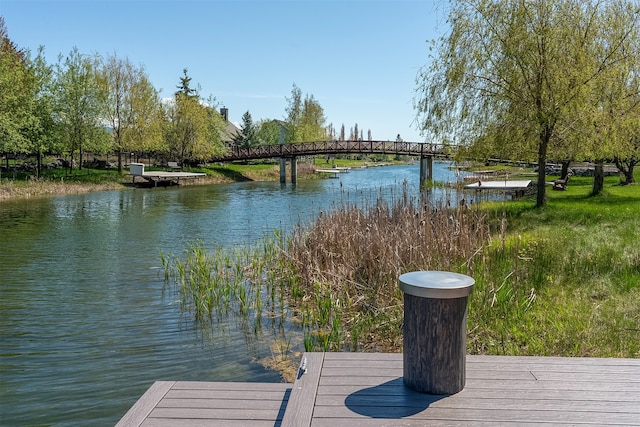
(559, 280)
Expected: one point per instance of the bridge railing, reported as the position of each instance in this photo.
(333, 147)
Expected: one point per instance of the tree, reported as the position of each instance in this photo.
(80, 104)
(305, 118)
(132, 107)
(294, 114)
(312, 122)
(268, 132)
(185, 86)
(45, 133)
(520, 75)
(16, 95)
(248, 137)
(193, 130)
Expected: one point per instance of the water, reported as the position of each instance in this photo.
(86, 322)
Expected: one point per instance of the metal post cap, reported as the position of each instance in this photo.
(436, 284)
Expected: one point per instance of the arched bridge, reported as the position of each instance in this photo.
(333, 147)
(425, 151)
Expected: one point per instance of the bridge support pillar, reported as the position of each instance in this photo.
(283, 170)
(426, 170)
(294, 170)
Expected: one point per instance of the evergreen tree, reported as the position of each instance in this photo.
(248, 137)
(185, 86)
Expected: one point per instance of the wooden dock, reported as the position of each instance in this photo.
(366, 389)
(515, 188)
(156, 178)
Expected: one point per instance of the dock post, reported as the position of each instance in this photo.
(283, 170)
(435, 329)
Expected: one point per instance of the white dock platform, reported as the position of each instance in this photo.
(516, 188)
(160, 177)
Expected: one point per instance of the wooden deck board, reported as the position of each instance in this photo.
(499, 390)
(367, 389)
(191, 403)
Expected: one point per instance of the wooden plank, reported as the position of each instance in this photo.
(238, 403)
(225, 395)
(246, 413)
(229, 386)
(343, 415)
(301, 403)
(143, 407)
(496, 404)
(192, 422)
(378, 422)
(502, 393)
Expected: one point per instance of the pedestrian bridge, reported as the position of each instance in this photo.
(425, 151)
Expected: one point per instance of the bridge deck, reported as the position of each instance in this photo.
(366, 389)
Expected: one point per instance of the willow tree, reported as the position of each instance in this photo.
(519, 75)
(133, 107)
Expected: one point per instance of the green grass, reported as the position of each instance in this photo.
(565, 279)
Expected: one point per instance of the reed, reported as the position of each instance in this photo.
(346, 266)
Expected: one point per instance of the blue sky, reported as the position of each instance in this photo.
(358, 58)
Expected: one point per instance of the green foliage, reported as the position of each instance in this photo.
(132, 107)
(193, 129)
(525, 80)
(80, 104)
(268, 132)
(305, 118)
(248, 137)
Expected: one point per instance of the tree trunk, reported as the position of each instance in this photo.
(626, 167)
(39, 168)
(120, 162)
(565, 169)
(542, 166)
(598, 178)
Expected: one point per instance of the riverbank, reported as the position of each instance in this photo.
(90, 180)
(59, 183)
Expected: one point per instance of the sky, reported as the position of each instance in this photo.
(359, 59)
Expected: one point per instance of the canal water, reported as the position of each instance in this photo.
(86, 320)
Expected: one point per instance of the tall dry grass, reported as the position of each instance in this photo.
(343, 270)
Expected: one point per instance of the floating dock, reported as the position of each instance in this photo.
(515, 188)
(366, 389)
(160, 177)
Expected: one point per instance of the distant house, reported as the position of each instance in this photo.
(231, 131)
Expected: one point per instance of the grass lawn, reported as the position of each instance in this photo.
(564, 279)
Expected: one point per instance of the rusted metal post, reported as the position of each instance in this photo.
(435, 329)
